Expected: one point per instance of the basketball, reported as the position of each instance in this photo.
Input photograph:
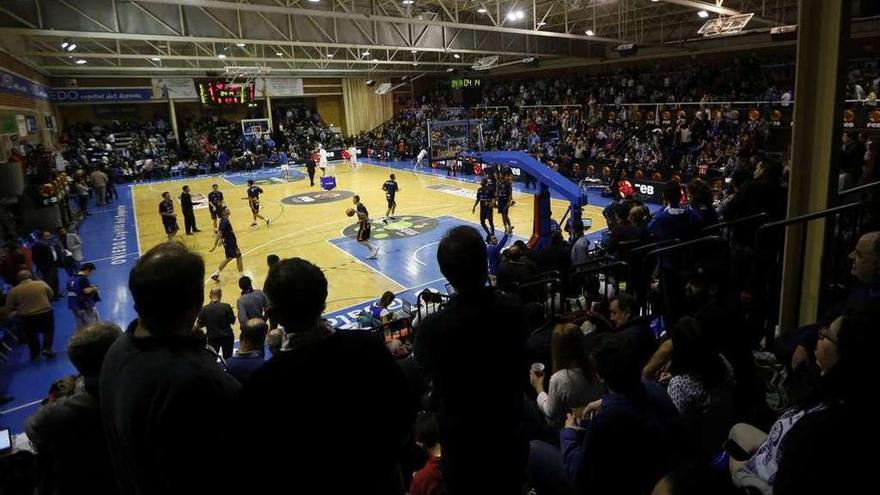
(350, 212)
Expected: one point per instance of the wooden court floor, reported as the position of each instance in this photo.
(306, 230)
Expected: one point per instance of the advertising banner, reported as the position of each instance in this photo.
(173, 88)
(14, 84)
(100, 95)
(282, 86)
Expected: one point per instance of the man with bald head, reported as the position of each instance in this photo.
(865, 259)
(217, 319)
(31, 301)
(249, 355)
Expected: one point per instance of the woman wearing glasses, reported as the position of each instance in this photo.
(830, 429)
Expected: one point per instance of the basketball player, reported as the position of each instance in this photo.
(353, 156)
(226, 235)
(484, 199)
(363, 236)
(169, 219)
(253, 198)
(390, 187)
(285, 164)
(322, 160)
(421, 157)
(504, 197)
(215, 204)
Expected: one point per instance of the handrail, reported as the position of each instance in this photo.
(863, 187)
(587, 270)
(731, 223)
(812, 216)
(651, 246)
(692, 242)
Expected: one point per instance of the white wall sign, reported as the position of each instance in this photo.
(173, 88)
(283, 86)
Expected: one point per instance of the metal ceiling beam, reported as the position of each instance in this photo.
(57, 33)
(271, 9)
(91, 70)
(149, 56)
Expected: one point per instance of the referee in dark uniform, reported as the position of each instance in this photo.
(186, 206)
(310, 168)
(169, 219)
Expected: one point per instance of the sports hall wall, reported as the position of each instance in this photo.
(13, 105)
(322, 94)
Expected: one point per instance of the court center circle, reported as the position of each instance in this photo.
(400, 228)
(317, 197)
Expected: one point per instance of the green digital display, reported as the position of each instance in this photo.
(465, 83)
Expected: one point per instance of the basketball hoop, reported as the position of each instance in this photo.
(244, 74)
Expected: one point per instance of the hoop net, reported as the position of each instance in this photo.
(446, 139)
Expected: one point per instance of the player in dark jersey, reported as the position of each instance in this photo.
(253, 198)
(363, 235)
(504, 198)
(226, 235)
(391, 188)
(484, 199)
(215, 204)
(169, 219)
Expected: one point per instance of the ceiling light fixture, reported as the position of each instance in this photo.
(482, 10)
(542, 23)
(449, 69)
(590, 32)
(64, 44)
(330, 55)
(515, 15)
(82, 61)
(702, 14)
(456, 56)
(221, 56)
(314, 1)
(155, 59)
(409, 2)
(414, 51)
(366, 53)
(279, 54)
(375, 60)
(71, 47)
(240, 45)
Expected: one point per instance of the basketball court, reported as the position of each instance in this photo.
(310, 223)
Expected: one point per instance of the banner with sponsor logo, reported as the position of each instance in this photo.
(14, 84)
(648, 191)
(173, 88)
(100, 95)
(282, 86)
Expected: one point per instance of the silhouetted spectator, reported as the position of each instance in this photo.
(357, 390)
(476, 422)
(68, 432)
(165, 401)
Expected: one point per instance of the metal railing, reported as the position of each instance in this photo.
(843, 226)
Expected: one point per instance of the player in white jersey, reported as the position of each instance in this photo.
(422, 157)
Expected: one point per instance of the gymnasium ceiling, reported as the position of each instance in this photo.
(355, 37)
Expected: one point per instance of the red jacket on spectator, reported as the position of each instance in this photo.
(427, 481)
(625, 188)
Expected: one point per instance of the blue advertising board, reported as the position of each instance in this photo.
(99, 95)
(14, 84)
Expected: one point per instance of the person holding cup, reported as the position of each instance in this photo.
(573, 382)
